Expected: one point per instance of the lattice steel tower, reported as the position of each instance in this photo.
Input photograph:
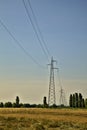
(52, 96)
(62, 99)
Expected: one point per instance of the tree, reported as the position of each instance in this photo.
(8, 104)
(33, 105)
(1, 104)
(14, 104)
(26, 105)
(45, 102)
(71, 101)
(86, 102)
(83, 103)
(21, 105)
(80, 100)
(17, 101)
(76, 99)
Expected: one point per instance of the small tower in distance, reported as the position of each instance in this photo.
(62, 98)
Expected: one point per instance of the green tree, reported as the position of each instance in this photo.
(8, 104)
(83, 103)
(76, 99)
(71, 100)
(80, 100)
(14, 104)
(45, 102)
(27, 105)
(86, 102)
(1, 104)
(21, 105)
(17, 101)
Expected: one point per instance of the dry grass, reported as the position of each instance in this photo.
(43, 119)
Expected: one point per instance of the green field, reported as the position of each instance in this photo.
(43, 119)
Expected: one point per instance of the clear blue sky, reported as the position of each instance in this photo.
(64, 27)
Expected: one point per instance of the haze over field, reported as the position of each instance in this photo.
(63, 25)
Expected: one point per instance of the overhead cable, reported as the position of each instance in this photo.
(41, 36)
(34, 28)
(19, 44)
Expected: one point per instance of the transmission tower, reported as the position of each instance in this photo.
(62, 97)
(52, 96)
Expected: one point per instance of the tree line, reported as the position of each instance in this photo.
(76, 100)
(10, 104)
(17, 104)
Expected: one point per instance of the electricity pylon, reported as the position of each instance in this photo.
(52, 96)
(62, 97)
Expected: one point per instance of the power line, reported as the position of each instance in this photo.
(38, 28)
(19, 44)
(34, 29)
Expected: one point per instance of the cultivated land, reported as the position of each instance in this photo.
(43, 119)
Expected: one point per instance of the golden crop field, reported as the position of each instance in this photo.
(43, 119)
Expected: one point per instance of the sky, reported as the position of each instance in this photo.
(63, 25)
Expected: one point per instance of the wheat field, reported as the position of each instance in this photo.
(42, 119)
